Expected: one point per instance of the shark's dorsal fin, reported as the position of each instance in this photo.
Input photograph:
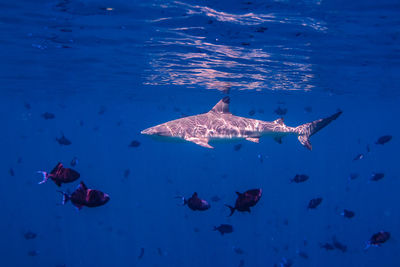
(279, 121)
(222, 106)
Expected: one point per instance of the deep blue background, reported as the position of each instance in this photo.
(145, 63)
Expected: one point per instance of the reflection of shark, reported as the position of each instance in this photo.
(219, 123)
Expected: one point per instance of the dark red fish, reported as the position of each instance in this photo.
(378, 239)
(314, 203)
(224, 229)
(246, 200)
(377, 176)
(84, 196)
(195, 203)
(383, 139)
(299, 178)
(348, 213)
(60, 175)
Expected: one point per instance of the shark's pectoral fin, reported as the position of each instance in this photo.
(199, 141)
(305, 141)
(278, 139)
(253, 139)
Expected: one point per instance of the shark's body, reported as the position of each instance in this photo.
(219, 123)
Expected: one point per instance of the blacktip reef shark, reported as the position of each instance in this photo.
(219, 124)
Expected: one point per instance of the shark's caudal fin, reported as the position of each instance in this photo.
(305, 131)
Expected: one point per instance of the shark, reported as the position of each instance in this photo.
(220, 124)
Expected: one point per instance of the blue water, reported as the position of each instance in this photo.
(109, 69)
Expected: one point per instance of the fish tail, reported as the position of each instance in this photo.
(45, 177)
(305, 131)
(231, 208)
(367, 245)
(184, 201)
(66, 197)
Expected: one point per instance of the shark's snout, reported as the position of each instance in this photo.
(146, 131)
(160, 130)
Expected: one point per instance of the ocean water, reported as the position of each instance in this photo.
(108, 69)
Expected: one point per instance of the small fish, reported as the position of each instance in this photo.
(339, 245)
(378, 239)
(383, 139)
(195, 203)
(246, 200)
(280, 111)
(252, 112)
(368, 148)
(238, 250)
(126, 173)
(134, 143)
(215, 198)
(160, 252)
(11, 171)
(84, 196)
(286, 262)
(74, 161)
(224, 229)
(308, 109)
(327, 246)
(353, 176)
(33, 253)
(63, 141)
(302, 254)
(348, 213)
(314, 203)
(237, 147)
(358, 157)
(377, 176)
(241, 263)
(141, 253)
(102, 110)
(27, 105)
(19, 160)
(299, 178)
(261, 29)
(30, 235)
(60, 175)
(48, 116)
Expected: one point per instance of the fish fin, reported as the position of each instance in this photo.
(78, 207)
(248, 210)
(278, 139)
(194, 194)
(306, 130)
(45, 177)
(237, 193)
(253, 139)
(279, 121)
(222, 106)
(83, 186)
(199, 141)
(57, 167)
(58, 183)
(231, 208)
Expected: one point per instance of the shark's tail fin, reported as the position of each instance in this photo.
(305, 131)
